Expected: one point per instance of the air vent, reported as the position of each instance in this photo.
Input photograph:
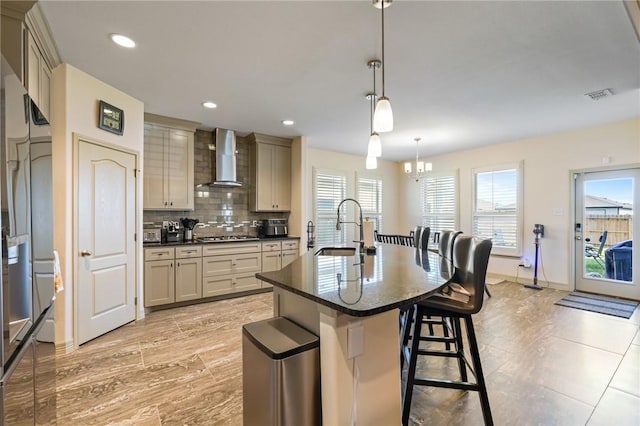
(599, 94)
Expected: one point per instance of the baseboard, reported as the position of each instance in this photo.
(64, 348)
(497, 278)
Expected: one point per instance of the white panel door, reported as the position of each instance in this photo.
(105, 239)
(604, 231)
(41, 225)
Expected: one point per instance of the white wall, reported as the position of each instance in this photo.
(548, 161)
(354, 165)
(74, 100)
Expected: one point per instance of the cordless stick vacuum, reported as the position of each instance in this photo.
(538, 230)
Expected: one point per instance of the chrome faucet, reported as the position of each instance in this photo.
(339, 222)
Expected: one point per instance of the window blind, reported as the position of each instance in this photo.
(439, 202)
(329, 189)
(497, 213)
(370, 198)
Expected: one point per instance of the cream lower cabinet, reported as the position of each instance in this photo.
(188, 273)
(172, 275)
(159, 276)
(277, 254)
(230, 267)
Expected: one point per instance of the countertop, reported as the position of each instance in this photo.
(197, 242)
(393, 277)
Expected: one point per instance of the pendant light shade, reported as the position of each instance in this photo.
(372, 162)
(375, 146)
(383, 116)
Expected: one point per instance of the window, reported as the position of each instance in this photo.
(440, 201)
(329, 188)
(370, 198)
(497, 211)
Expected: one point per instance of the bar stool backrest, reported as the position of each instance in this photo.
(470, 261)
(417, 234)
(424, 238)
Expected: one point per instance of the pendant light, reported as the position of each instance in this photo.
(421, 167)
(383, 116)
(371, 163)
(374, 149)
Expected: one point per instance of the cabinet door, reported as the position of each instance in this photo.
(244, 282)
(264, 177)
(249, 262)
(288, 256)
(33, 69)
(281, 184)
(271, 261)
(45, 89)
(188, 279)
(180, 170)
(154, 166)
(159, 283)
(217, 265)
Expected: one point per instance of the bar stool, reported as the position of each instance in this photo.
(471, 257)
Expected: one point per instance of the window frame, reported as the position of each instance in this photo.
(424, 182)
(378, 214)
(519, 213)
(320, 218)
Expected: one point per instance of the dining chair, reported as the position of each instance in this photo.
(470, 261)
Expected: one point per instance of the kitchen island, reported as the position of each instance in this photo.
(352, 303)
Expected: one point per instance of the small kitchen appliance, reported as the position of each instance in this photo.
(274, 228)
(152, 235)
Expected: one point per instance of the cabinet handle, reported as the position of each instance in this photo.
(165, 203)
(178, 264)
(172, 203)
(85, 253)
(171, 265)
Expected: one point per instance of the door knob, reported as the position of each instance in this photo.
(85, 253)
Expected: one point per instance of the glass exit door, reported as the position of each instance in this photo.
(604, 232)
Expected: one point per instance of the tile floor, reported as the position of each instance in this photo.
(544, 364)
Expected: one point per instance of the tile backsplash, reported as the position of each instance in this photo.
(225, 210)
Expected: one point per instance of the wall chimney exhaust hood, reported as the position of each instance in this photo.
(225, 155)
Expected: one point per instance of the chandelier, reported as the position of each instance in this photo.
(421, 168)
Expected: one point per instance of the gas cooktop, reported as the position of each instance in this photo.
(227, 238)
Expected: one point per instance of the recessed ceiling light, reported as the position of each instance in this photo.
(209, 104)
(288, 122)
(123, 41)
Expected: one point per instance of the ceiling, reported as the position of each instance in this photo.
(459, 74)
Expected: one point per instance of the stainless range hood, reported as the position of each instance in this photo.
(225, 155)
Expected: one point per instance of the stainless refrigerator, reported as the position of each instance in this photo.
(27, 351)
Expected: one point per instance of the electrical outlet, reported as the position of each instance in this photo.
(524, 263)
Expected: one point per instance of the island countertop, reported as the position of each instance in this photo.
(364, 285)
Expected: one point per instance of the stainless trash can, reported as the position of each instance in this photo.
(280, 374)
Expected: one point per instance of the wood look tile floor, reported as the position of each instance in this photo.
(544, 365)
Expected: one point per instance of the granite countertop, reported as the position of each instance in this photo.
(200, 242)
(393, 277)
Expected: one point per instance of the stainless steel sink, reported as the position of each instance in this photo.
(336, 251)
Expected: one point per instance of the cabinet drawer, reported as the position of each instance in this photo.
(271, 246)
(231, 264)
(290, 245)
(187, 252)
(160, 253)
(217, 249)
(218, 285)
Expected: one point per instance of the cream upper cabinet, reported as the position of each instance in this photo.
(38, 76)
(168, 163)
(270, 173)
